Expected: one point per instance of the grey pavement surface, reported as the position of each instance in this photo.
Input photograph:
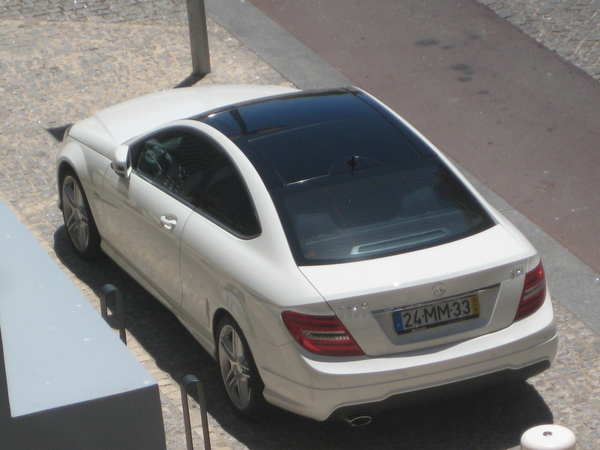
(568, 27)
(61, 60)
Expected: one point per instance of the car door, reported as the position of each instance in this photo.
(149, 210)
(218, 238)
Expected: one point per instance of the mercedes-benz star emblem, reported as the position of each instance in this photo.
(439, 289)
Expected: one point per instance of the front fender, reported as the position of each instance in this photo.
(90, 167)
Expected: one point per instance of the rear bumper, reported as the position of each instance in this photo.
(446, 391)
(324, 389)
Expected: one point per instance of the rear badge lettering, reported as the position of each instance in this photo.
(354, 308)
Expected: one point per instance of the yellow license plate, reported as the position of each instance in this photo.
(436, 314)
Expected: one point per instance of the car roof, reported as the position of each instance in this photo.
(310, 134)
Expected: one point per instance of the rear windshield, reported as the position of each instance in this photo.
(379, 211)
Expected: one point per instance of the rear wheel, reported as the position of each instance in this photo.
(78, 218)
(238, 371)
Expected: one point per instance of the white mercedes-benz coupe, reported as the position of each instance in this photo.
(329, 257)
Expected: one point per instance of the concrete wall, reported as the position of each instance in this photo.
(66, 380)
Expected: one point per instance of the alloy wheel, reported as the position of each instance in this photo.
(75, 214)
(235, 367)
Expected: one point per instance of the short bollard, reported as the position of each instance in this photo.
(186, 383)
(548, 437)
(104, 292)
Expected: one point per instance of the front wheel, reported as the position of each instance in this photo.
(238, 371)
(78, 218)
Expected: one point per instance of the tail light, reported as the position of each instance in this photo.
(323, 335)
(534, 293)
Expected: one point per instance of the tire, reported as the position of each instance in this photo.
(238, 372)
(80, 224)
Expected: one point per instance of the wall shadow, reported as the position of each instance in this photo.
(491, 419)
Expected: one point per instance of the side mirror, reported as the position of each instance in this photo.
(121, 162)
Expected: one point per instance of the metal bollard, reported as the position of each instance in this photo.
(188, 381)
(198, 38)
(104, 292)
(548, 437)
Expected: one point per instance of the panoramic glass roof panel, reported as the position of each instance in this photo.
(334, 147)
(280, 114)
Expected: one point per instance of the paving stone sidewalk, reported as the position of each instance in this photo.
(61, 60)
(571, 28)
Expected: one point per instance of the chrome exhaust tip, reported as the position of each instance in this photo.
(358, 420)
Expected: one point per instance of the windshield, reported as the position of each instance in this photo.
(379, 211)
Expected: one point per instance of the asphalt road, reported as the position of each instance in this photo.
(510, 111)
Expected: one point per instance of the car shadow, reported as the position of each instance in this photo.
(58, 133)
(492, 419)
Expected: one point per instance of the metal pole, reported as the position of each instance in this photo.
(198, 37)
(104, 292)
(188, 381)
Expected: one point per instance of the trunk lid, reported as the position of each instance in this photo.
(376, 298)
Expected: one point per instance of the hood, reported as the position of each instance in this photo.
(120, 123)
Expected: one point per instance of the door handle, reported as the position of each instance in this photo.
(168, 222)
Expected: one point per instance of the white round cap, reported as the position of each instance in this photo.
(548, 437)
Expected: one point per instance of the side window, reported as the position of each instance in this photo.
(224, 196)
(177, 160)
